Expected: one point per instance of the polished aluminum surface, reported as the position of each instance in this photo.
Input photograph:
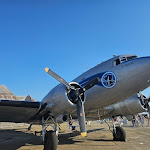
(132, 77)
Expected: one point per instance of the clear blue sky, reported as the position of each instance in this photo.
(69, 36)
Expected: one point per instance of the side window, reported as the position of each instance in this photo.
(132, 57)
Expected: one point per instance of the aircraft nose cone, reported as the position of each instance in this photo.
(139, 73)
(143, 65)
(147, 68)
(145, 62)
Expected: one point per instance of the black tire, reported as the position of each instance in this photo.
(120, 134)
(51, 141)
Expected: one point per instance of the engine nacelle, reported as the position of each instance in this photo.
(61, 118)
(128, 107)
(59, 102)
(130, 117)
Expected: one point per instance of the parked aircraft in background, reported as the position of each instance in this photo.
(110, 82)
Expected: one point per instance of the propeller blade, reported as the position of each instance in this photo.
(91, 83)
(58, 78)
(81, 117)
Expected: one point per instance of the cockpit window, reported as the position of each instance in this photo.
(131, 57)
(116, 62)
(123, 59)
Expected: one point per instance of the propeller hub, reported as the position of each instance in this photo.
(73, 94)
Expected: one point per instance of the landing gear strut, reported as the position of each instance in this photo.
(118, 132)
(50, 138)
(29, 128)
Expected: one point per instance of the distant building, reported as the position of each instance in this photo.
(25, 98)
(6, 94)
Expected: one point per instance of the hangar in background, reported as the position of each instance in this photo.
(6, 93)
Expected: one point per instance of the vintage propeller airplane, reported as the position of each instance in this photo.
(112, 81)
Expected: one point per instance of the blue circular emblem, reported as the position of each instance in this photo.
(109, 80)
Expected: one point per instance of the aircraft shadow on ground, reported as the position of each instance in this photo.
(101, 138)
(68, 138)
(12, 139)
(94, 130)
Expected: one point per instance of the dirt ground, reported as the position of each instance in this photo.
(99, 138)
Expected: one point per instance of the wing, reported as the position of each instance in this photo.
(18, 111)
(95, 114)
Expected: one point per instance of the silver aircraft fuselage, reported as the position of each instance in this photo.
(119, 82)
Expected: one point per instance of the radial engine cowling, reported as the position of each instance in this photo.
(128, 107)
(59, 102)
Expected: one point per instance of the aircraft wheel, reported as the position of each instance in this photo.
(51, 141)
(120, 134)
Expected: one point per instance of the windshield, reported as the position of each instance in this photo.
(123, 59)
